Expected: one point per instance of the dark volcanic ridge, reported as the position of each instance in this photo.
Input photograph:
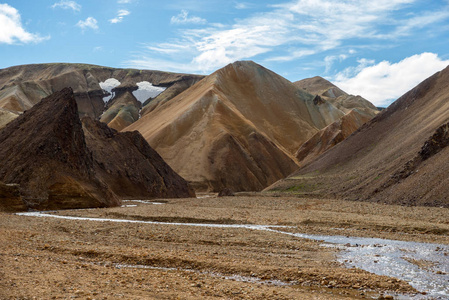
(56, 165)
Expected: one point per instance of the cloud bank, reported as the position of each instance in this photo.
(12, 30)
(293, 30)
(384, 82)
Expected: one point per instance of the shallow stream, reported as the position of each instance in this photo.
(424, 266)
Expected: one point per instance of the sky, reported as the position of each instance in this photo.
(377, 49)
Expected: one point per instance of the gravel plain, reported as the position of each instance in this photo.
(50, 258)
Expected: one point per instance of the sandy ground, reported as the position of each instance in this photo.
(47, 258)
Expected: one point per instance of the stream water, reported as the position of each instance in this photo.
(424, 266)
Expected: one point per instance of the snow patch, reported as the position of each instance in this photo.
(146, 90)
(108, 85)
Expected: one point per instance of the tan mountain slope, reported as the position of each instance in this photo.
(121, 111)
(339, 98)
(398, 157)
(237, 128)
(6, 116)
(23, 86)
(358, 111)
(319, 86)
(331, 135)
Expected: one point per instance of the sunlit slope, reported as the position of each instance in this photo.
(398, 157)
(237, 128)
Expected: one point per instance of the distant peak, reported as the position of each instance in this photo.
(242, 66)
(243, 63)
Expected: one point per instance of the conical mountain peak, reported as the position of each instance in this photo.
(233, 116)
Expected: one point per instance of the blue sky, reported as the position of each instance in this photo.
(377, 49)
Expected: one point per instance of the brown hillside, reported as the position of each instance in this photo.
(23, 86)
(398, 157)
(10, 198)
(121, 112)
(237, 128)
(357, 109)
(44, 151)
(319, 86)
(57, 162)
(129, 166)
(339, 98)
(331, 135)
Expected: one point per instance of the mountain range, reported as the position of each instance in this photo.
(243, 128)
(238, 128)
(115, 96)
(399, 157)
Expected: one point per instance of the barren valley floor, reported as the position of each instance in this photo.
(54, 258)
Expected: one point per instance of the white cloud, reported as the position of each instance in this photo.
(296, 29)
(11, 28)
(65, 4)
(243, 5)
(183, 18)
(124, 1)
(421, 21)
(169, 48)
(384, 82)
(151, 63)
(120, 15)
(330, 59)
(90, 22)
(293, 55)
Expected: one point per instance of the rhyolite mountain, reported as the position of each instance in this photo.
(399, 157)
(331, 135)
(254, 117)
(54, 164)
(238, 128)
(358, 111)
(339, 98)
(21, 87)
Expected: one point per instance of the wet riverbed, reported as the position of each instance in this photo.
(425, 266)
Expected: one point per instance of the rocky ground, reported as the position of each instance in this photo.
(48, 258)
